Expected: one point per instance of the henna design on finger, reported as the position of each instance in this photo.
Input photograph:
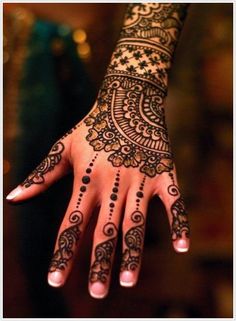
(48, 164)
(114, 194)
(101, 266)
(134, 237)
(180, 224)
(131, 257)
(86, 180)
(67, 242)
(69, 237)
(140, 194)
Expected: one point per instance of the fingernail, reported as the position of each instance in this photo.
(98, 290)
(182, 245)
(127, 279)
(55, 279)
(14, 193)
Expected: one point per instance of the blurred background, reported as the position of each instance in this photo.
(55, 57)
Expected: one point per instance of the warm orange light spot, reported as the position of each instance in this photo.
(79, 36)
(84, 50)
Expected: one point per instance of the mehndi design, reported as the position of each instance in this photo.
(128, 120)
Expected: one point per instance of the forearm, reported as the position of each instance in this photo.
(147, 42)
(129, 118)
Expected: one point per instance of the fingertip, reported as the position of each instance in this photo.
(127, 279)
(98, 290)
(181, 245)
(56, 279)
(14, 194)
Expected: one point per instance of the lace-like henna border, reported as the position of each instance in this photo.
(129, 122)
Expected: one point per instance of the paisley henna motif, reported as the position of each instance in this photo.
(134, 241)
(48, 164)
(101, 266)
(67, 242)
(128, 120)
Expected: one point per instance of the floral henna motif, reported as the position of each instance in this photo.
(133, 240)
(101, 267)
(67, 242)
(180, 225)
(69, 237)
(134, 237)
(156, 22)
(128, 120)
(48, 164)
(151, 63)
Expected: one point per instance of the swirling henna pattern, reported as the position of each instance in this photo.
(67, 242)
(158, 22)
(48, 164)
(180, 225)
(69, 238)
(133, 240)
(128, 120)
(101, 267)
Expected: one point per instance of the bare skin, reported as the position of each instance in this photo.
(120, 155)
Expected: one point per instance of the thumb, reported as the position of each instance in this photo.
(53, 167)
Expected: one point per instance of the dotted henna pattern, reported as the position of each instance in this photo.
(68, 239)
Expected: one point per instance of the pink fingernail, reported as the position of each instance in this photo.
(55, 279)
(98, 290)
(14, 193)
(182, 245)
(127, 279)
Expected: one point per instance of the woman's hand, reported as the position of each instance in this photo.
(110, 172)
(120, 155)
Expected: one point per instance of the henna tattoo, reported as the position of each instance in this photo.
(69, 237)
(137, 60)
(101, 267)
(134, 241)
(158, 22)
(128, 121)
(134, 237)
(114, 194)
(180, 225)
(86, 180)
(48, 164)
(67, 242)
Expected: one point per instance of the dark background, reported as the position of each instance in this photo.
(52, 72)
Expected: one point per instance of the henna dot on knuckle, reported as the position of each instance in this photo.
(139, 194)
(113, 197)
(86, 179)
(83, 188)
